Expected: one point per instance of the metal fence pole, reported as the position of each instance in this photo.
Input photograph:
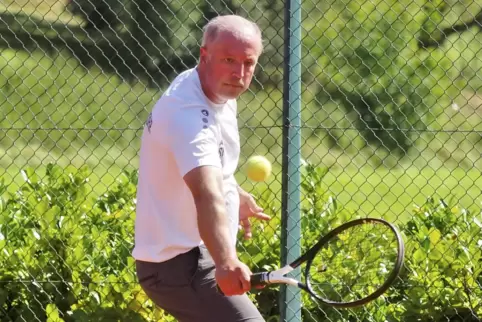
(290, 231)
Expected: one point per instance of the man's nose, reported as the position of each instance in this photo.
(238, 70)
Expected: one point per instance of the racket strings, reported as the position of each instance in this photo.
(353, 264)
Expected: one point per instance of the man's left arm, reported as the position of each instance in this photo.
(248, 208)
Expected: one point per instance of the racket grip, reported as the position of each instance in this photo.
(258, 279)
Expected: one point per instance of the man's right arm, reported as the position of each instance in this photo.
(205, 183)
(193, 140)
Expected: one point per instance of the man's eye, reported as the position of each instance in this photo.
(228, 60)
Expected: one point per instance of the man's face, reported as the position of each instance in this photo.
(230, 63)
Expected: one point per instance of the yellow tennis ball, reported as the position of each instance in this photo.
(258, 168)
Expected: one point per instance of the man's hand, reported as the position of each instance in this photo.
(247, 209)
(233, 277)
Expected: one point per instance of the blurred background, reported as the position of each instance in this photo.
(391, 111)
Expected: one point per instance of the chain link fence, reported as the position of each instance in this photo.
(391, 127)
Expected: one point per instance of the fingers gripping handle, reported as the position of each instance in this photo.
(257, 279)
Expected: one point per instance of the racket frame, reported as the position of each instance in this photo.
(278, 276)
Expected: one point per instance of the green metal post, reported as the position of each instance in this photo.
(290, 301)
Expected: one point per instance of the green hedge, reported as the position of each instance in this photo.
(65, 255)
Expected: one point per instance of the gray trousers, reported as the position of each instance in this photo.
(185, 288)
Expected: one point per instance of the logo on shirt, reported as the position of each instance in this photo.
(205, 119)
(149, 122)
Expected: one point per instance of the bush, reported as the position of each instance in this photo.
(65, 256)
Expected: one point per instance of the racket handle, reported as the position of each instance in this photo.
(258, 279)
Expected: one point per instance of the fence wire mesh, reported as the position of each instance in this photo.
(391, 128)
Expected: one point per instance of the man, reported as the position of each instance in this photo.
(189, 205)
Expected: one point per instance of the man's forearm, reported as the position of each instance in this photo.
(214, 229)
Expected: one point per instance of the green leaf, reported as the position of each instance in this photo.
(96, 296)
(29, 176)
(419, 256)
(36, 234)
(128, 277)
(3, 204)
(426, 244)
(434, 236)
(79, 253)
(41, 207)
(435, 255)
(477, 222)
(52, 313)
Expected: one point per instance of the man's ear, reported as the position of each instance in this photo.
(203, 54)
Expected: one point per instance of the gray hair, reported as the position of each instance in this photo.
(222, 23)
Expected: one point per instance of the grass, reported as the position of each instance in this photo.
(390, 193)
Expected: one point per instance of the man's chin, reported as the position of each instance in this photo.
(233, 94)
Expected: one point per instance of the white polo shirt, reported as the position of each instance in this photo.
(185, 130)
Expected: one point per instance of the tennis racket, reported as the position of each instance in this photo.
(350, 266)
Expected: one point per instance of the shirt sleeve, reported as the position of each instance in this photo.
(193, 139)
